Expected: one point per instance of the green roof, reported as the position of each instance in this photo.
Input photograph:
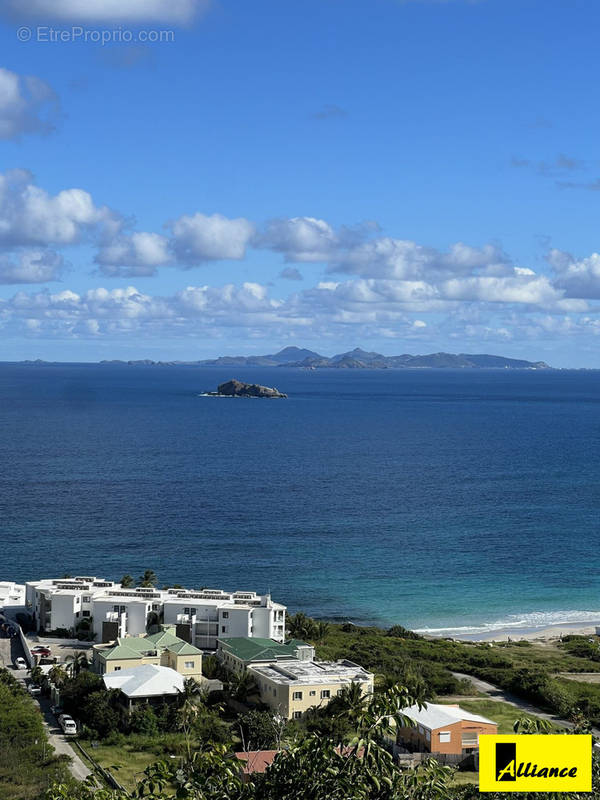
(136, 646)
(255, 649)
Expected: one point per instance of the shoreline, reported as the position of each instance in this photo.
(530, 634)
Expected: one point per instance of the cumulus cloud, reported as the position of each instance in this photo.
(31, 266)
(136, 255)
(200, 238)
(308, 239)
(578, 278)
(27, 105)
(31, 216)
(300, 239)
(133, 11)
(400, 259)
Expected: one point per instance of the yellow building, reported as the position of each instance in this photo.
(291, 687)
(162, 649)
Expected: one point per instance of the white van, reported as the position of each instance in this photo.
(67, 724)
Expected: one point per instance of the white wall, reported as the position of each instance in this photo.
(64, 607)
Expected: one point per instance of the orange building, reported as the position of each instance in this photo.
(443, 729)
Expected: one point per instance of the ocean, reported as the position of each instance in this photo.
(446, 501)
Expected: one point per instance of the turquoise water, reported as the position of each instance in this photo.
(435, 499)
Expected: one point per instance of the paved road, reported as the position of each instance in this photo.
(496, 693)
(11, 649)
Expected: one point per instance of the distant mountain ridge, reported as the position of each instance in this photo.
(354, 359)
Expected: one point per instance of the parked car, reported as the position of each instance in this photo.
(20, 663)
(41, 650)
(67, 724)
(34, 690)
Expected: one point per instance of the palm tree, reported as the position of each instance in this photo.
(300, 626)
(321, 630)
(242, 685)
(37, 675)
(58, 675)
(76, 663)
(349, 703)
(148, 579)
(192, 692)
(127, 582)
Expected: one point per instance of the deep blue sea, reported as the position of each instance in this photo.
(435, 499)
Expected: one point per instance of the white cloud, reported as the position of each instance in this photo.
(134, 11)
(31, 266)
(135, 255)
(577, 278)
(400, 259)
(27, 105)
(300, 239)
(30, 216)
(200, 238)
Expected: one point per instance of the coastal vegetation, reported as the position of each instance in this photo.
(28, 764)
(186, 747)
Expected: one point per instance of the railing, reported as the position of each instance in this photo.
(102, 771)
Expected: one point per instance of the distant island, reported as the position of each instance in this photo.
(354, 359)
(235, 388)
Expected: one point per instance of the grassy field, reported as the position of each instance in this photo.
(502, 713)
(129, 761)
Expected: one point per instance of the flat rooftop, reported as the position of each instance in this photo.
(314, 672)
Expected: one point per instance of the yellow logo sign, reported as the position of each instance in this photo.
(535, 763)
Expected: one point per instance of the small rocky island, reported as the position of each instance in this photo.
(235, 388)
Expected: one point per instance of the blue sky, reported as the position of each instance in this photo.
(404, 176)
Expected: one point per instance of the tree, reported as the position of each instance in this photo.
(242, 685)
(77, 662)
(349, 703)
(258, 730)
(192, 692)
(37, 675)
(127, 582)
(58, 675)
(98, 712)
(148, 579)
(143, 720)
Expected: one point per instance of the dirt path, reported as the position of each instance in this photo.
(495, 693)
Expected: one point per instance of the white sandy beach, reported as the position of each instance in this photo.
(539, 634)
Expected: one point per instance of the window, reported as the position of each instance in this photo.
(296, 715)
(116, 608)
(85, 613)
(225, 615)
(470, 739)
(445, 736)
(116, 669)
(186, 610)
(339, 691)
(223, 628)
(192, 610)
(155, 606)
(86, 598)
(123, 609)
(325, 693)
(188, 664)
(312, 693)
(297, 696)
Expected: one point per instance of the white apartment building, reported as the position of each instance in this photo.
(212, 613)
(115, 611)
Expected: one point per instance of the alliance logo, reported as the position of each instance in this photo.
(506, 759)
(532, 762)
